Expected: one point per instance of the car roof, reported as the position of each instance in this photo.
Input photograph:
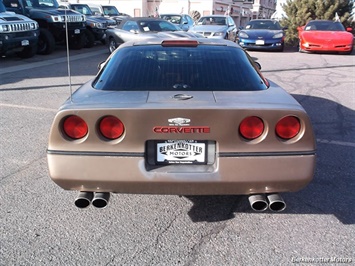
(264, 19)
(144, 19)
(322, 20)
(138, 19)
(215, 16)
(173, 14)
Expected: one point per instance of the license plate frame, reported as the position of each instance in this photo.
(260, 42)
(77, 31)
(175, 152)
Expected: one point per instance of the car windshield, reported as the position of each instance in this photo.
(83, 9)
(158, 68)
(41, 3)
(263, 25)
(176, 19)
(156, 25)
(324, 26)
(110, 10)
(212, 21)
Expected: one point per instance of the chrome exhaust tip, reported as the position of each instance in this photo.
(83, 200)
(101, 199)
(258, 202)
(276, 203)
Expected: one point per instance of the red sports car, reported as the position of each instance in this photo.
(325, 36)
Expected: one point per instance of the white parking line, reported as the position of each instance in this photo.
(336, 142)
(28, 107)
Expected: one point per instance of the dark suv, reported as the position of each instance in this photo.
(52, 22)
(96, 25)
(17, 34)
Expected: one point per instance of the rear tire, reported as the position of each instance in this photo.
(46, 42)
(28, 51)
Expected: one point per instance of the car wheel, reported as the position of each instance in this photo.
(112, 45)
(46, 42)
(89, 39)
(28, 51)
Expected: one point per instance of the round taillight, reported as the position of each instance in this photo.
(111, 127)
(75, 127)
(288, 127)
(251, 127)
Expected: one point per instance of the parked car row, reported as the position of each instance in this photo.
(96, 25)
(42, 25)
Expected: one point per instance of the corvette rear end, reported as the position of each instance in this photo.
(181, 141)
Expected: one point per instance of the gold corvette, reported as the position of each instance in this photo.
(184, 117)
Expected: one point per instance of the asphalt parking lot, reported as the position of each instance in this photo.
(41, 226)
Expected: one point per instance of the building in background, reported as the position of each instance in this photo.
(263, 9)
(242, 11)
(279, 13)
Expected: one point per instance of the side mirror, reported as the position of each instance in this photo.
(258, 65)
(349, 29)
(101, 65)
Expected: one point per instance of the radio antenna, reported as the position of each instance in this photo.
(68, 56)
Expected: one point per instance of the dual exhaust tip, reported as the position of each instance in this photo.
(257, 202)
(97, 199)
(272, 201)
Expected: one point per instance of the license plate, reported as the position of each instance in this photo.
(260, 42)
(77, 31)
(25, 43)
(181, 152)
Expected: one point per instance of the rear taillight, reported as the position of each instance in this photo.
(111, 127)
(288, 127)
(251, 127)
(75, 127)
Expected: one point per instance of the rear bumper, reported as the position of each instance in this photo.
(228, 175)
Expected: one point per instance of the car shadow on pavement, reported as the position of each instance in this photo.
(331, 191)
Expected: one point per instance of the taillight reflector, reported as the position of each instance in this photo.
(111, 127)
(288, 127)
(251, 127)
(75, 127)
